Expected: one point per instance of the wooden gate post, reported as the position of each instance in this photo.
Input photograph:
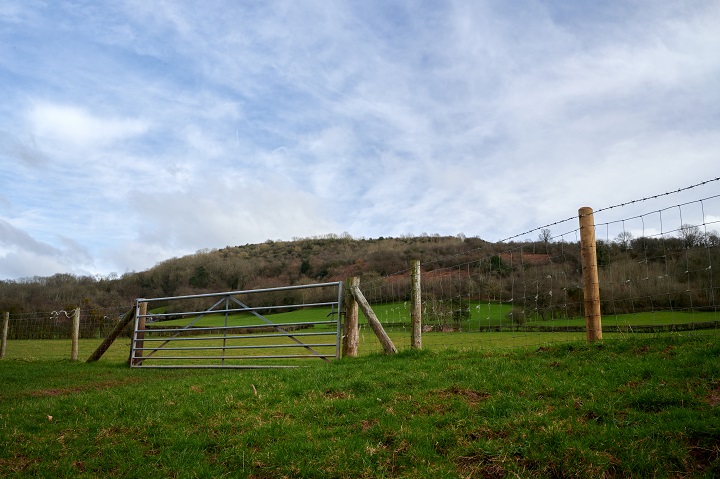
(351, 334)
(415, 306)
(140, 343)
(3, 343)
(75, 334)
(591, 283)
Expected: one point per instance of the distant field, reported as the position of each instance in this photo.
(482, 315)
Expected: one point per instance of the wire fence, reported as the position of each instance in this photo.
(94, 324)
(658, 273)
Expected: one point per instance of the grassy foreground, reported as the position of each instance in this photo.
(623, 408)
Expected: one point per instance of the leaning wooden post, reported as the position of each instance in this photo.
(372, 320)
(3, 342)
(107, 342)
(351, 336)
(591, 283)
(75, 334)
(415, 306)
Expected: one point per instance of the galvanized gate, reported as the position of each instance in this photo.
(262, 328)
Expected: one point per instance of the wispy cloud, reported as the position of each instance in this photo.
(143, 130)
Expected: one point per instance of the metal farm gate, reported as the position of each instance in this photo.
(263, 328)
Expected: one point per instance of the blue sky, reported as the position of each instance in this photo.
(134, 131)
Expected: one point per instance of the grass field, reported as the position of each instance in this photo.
(645, 406)
(482, 314)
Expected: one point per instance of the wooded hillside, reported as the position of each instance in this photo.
(637, 273)
(252, 266)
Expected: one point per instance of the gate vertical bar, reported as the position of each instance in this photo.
(227, 306)
(339, 320)
(5, 326)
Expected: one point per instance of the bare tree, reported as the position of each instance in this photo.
(545, 235)
(624, 239)
(691, 235)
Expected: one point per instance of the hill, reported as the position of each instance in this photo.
(250, 266)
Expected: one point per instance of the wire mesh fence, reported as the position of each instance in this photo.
(58, 324)
(657, 274)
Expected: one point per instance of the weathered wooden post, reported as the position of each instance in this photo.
(415, 306)
(387, 344)
(351, 336)
(3, 342)
(591, 283)
(107, 342)
(140, 338)
(75, 333)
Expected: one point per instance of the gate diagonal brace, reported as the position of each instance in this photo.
(209, 310)
(278, 328)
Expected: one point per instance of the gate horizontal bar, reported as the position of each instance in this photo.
(215, 328)
(242, 336)
(264, 346)
(238, 310)
(280, 356)
(336, 284)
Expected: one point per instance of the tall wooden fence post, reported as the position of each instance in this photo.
(75, 335)
(591, 283)
(351, 336)
(3, 343)
(415, 306)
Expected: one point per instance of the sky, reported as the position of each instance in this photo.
(134, 131)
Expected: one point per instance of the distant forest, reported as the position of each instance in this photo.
(334, 258)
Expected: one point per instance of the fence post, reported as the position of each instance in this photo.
(140, 337)
(415, 306)
(591, 283)
(3, 343)
(351, 334)
(75, 334)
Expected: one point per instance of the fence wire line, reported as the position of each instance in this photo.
(619, 205)
(94, 324)
(655, 283)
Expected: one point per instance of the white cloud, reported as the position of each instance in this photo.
(21, 255)
(78, 127)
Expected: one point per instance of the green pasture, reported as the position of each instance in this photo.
(643, 406)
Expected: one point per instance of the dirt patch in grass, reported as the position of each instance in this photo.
(472, 397)
(18, 463)
(479, 465)
(78, 389)
(713, 398)
(334, 394)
